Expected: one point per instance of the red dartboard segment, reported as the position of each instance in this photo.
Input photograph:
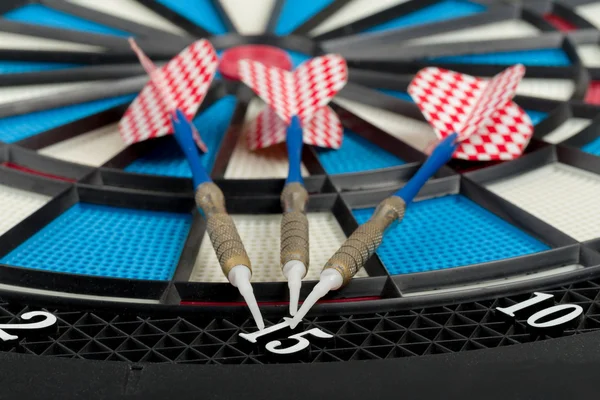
(267, 55)
(187, 78)
(323, 130)
(489, 124)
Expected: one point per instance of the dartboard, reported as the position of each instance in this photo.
(110, 286)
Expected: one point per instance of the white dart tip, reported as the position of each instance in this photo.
(330, 280)
(239, 276)
(294, 271)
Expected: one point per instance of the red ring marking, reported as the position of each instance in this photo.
(268, 55)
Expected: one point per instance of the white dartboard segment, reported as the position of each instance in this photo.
(498, 30)
(590, 12)
(567, 129)
(554, 89)
(353, 11)
(271, 162)
(133, 11)
(416, 133)
(24, 42)
(250, 17)
(261, 237)
(19, 93)
(16, 205)
(561, 195)
(92, 148)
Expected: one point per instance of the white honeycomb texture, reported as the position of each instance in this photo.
(261, 237)
(133, 11)
(271, 162)
(561, 195)
(92, 148)
(416, 133)
(590, 12)
(352, 11)
(554, 89)
(498, 30)
(16, 205)
(589, 55)
(567, 129)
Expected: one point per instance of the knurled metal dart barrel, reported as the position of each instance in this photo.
(227, 244)
(364, 241)
(361, 245)
(354, 252)
(294, 239)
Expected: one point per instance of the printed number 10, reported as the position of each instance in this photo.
(534, 319)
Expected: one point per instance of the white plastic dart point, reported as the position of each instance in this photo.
(239, 276)
(330, 280)
(294, 271)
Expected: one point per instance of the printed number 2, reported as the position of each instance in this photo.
(534, 318)
(48, 321)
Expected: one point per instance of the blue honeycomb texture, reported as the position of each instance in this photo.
(356, 154)
(107, 241)
(13, 129)
(169, 160)
(447, 232)
(200, 12)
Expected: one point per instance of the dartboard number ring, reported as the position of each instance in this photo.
(535, 320)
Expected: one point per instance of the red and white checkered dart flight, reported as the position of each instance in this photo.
(304, 92)
(489, 124)
(181, 84)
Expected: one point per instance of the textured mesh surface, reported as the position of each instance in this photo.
(441, 11)
(497, 30)
(295, 12)
(201, 12)
(42, 15)
(92, 148)
(543, 57)
(556, 89)
(199, 339)
(133, 11)
(168, 159)
(106, 241)
(448, 232)
(13, 129)
(561, 195)
(17, 67)
(16, 205)
(261, 236)
(356, 154)
(569, 128)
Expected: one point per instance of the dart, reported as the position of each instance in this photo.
(166, 105)
(297, 113)
(474, 119)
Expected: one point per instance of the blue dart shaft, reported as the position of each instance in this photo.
(440, 156)
(183, 135)
(294, 148)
